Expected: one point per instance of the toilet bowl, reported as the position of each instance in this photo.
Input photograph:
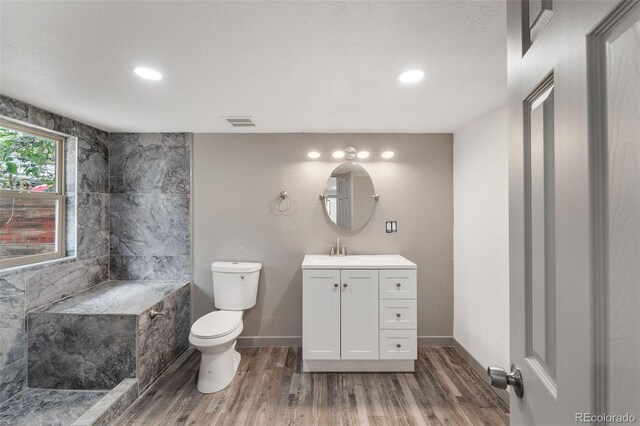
(215, 336)
(235, 288)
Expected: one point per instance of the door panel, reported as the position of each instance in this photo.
(621, 51)
(552, 211)
(541, 309)
(359, 314)
(321, 314)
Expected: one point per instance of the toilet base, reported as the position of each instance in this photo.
(217, 370)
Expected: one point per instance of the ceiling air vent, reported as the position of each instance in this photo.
(241, 121)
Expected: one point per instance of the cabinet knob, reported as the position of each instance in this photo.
(344, 285)
(398, 345)
(335, 285)
(398, 315)
(398, 285)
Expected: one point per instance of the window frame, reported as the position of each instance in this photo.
(58, 196)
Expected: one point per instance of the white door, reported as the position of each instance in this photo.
(344, 200)
(321, 314)
(574, 165)
(359, 314)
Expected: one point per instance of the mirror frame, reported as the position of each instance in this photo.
(323, 197)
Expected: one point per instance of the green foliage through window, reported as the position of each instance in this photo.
(27, 162)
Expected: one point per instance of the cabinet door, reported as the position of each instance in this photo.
(359, 310)
(321, 314)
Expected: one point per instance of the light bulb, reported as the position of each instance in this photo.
(363, 154)
(147, 73)
(338, 154)
(387, 154)
(411, 76)
(313, 154)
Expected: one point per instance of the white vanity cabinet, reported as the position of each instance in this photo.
(359, 313)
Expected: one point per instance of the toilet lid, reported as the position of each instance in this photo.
(216, 324)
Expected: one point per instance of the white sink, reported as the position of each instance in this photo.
(336, 260)
(369, 261)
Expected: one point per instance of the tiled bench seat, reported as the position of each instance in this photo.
(98, 338)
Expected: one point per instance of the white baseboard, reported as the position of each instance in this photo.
(480, 369)
(435, 341)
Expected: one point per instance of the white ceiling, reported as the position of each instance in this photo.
(293, 66)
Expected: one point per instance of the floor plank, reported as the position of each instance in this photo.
(271, 389)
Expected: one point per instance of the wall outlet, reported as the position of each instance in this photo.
(391, 226)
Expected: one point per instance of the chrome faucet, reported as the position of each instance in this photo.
(337, 250)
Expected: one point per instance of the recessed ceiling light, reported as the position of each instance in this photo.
(363, 154)
(387, 154)
(338, 154)
(411, 76)
(147, 73)
(314, 154)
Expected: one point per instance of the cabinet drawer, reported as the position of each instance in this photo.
(398, 344)
(398, 284)
(398, 314)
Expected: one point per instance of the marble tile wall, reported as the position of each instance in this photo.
(87, 188)
(150, 206)
(69, 351)
(130, 196)
(162, 340)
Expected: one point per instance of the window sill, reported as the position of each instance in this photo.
(37, 266)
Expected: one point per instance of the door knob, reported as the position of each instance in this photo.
(344, 285)
(335, 284)
(398, 315)
(501, 379)
(398, 285)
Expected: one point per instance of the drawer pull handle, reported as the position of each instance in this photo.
(344, 285)
(398, 315)
(398, 285)
(335, 285)
(398, 345)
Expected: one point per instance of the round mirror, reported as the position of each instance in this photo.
(349, 197)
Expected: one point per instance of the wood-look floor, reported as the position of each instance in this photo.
(271, 389)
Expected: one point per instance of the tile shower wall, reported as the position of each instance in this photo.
(30, 287)
(150, 205)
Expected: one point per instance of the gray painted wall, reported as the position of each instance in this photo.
(237, 176)
(26, 288)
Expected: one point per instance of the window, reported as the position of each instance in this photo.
(32, 201)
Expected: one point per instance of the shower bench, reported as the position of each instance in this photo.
(114, 339)
(111, 332)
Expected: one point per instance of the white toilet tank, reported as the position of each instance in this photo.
(235, 285)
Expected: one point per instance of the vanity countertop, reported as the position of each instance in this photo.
(368, 261)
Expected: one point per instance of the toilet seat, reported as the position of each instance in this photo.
(216, 324)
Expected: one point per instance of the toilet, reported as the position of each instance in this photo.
(235, 288)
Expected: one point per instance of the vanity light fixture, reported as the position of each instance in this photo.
(147, 73)
(411, 76)
(350, 153)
